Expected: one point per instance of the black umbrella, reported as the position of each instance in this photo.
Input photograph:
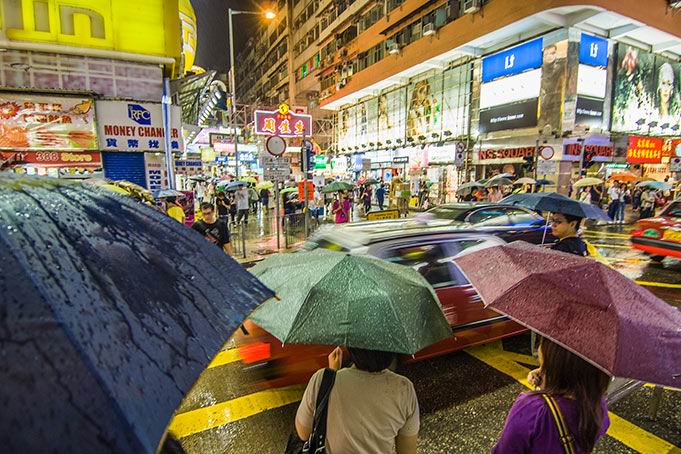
(109, 313)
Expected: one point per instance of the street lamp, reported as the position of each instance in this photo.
(269, 15)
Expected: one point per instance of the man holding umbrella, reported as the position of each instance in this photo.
(565, 227)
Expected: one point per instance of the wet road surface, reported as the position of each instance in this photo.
(464, 397)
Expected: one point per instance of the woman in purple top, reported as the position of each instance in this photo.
(578, 388)
(341, 208)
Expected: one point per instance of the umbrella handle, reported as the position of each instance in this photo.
(546, 227)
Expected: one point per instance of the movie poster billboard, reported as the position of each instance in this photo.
(424, 111)
(647, 89)
(47, 123)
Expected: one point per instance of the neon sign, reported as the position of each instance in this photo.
(282, 122)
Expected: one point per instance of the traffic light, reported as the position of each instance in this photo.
(307, 158)
(587, 159)
(528, 165)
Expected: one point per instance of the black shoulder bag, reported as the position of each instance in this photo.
(317, 441)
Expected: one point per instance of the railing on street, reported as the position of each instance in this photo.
(294, 228)
(238, 235)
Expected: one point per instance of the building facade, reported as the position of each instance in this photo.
(455, 90)
(83, 84)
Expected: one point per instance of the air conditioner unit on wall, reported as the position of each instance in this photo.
(394, 48)
(471, 6)
(428, 29)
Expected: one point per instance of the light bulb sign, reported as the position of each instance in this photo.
(282, 122)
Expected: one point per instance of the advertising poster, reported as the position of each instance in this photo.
(47, 123)
(554, 70)
(644, 150)
(589, 112)
(391, 115)
(424, 111)
(456, 100)
(647, 89)
(155, 169)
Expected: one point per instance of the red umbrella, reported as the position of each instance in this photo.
(583, 305)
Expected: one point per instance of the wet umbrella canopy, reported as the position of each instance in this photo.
(583, 305)
(556, 203)
(331, 298)
(109, 313)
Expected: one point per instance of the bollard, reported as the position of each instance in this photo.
(286, 230)
(243, 239)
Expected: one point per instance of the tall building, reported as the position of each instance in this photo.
(452, 90)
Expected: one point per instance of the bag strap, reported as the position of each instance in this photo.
(563, 432)
(322, 406)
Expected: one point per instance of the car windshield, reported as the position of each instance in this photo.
(673, 211)
(450, 212)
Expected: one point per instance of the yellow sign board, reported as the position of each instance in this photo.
(149, 27)
(383, 215)
(189, 34)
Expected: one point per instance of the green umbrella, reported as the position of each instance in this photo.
(337, 186)
(287, 190)
(331, 298)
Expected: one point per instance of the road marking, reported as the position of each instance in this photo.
(620, 429)
(201, 419)
(666, 388)
(225, 357)
(523, 359)
(596, 232)
(657, 284)
(613, 246)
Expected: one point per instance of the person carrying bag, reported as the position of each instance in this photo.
(316, 444)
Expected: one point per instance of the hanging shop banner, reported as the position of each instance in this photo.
(505, 155)
(53, 158)
(282, 122)
(155, 169)
(513, 61)
(593, 51)
(589, 112)
(647, 92)
(510, 116)
(47, 123)
(133, 126)
(600, 151)
(644, 150)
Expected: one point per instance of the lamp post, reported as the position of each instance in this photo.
(269, 15)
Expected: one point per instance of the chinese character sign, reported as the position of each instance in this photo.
(644, 150)
(287, 124)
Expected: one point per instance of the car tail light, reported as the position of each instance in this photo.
(258, 351)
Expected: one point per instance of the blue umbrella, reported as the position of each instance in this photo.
(109, 313)
(556, 203)
(543, 182)
(657, 185)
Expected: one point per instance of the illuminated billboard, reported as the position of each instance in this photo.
(647, 95)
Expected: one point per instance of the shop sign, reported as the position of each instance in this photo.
(54, 158)
(644, 150)
(509, 116)
(513, 61)
(593, 50)
(47, 123)
(442, 155)
(320, 161)
(572, 150)
(188, 167)
(589, 112)
(155, 169)
(133, 126)
(591, 81)
(401, 160)
(516, 154)
(282, 122)
(671, 147)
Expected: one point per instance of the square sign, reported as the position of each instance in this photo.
(276, 168)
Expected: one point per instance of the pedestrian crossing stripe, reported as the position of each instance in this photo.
(225, 357)
(620, 429)
(613, 234)
(657, 284)
(201, 419)
(610, 246)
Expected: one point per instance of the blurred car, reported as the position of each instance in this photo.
(660, 236)
(431, 252)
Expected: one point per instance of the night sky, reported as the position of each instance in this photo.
(213, 41)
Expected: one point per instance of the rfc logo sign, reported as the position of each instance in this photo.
(139, 114)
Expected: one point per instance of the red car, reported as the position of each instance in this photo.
(660, 236)
(431, 252)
